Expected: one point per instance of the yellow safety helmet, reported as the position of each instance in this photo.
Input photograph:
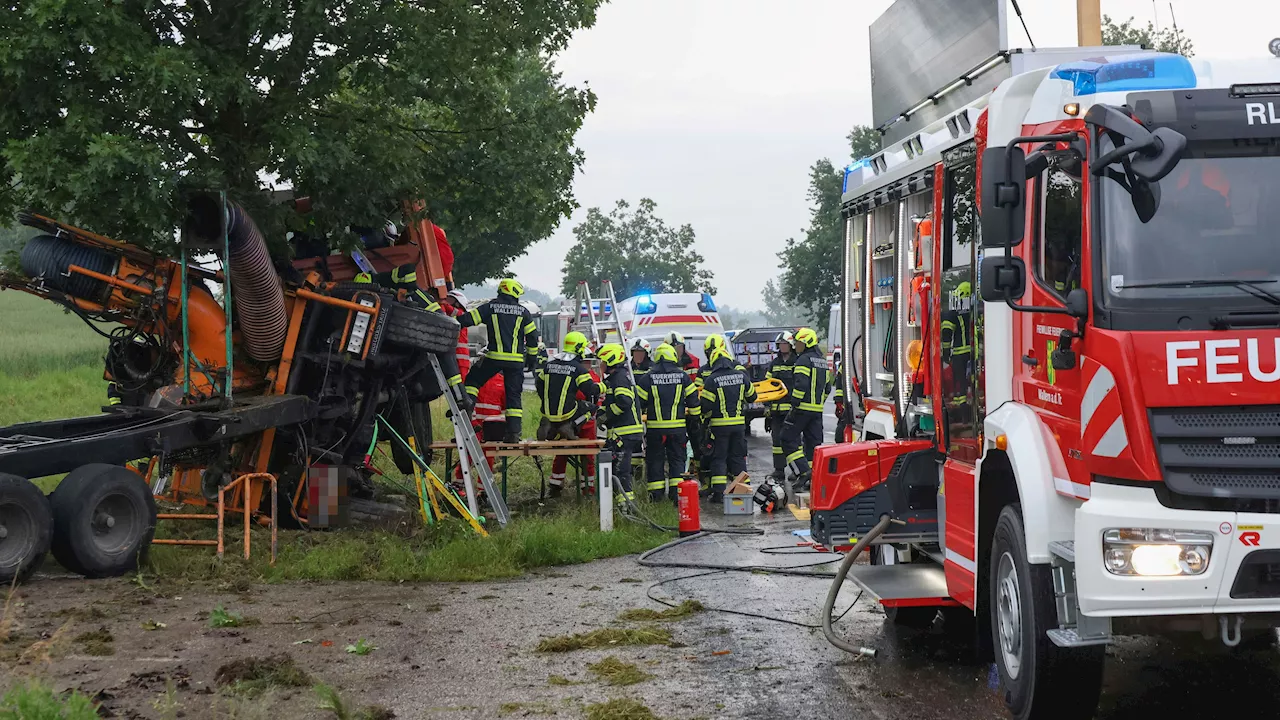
(664, 352)
(717, 353)
(673, 338)
(575, 342)
(807, 337)
(963, 290)
(510, 286)
(612, 354)
(713, 343)
(364, 277)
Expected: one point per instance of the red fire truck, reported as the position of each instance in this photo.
(1070, 355)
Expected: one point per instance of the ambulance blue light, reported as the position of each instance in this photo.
(645, 305)
(1157, 71)
(852, 168)
(707, 304)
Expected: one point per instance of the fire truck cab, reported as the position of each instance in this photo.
(1068, 296)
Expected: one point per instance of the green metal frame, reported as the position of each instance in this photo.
(187, 356)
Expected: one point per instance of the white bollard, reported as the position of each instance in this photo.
(604, 489)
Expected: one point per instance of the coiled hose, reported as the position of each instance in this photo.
(258, 299)
(49, 257)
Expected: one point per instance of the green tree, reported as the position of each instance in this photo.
(636, 251)
(777, 311)
(811, 268)
(1126, 33)
(113, 110)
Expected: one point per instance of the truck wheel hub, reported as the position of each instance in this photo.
(1009, 615)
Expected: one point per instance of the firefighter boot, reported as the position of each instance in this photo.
(555, 490)
(717, 494)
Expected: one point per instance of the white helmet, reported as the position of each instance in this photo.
(458, 297)
(673, 338)
(640, 344)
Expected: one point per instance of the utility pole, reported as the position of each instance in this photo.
(1089, 23)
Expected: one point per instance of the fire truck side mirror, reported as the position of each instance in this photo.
(1004, 211)
(1002, 282)
(1078, 303)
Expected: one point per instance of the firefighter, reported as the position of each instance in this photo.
(640, 362)
(456, 306)
(726, 391)
(512, 334)
(621, 415)
(696, 425)
(586, 430)
(780, 369)
(558, 384)
(687, 362)
(666, 394)
(957, 350)
(837, 392)
(802, 431)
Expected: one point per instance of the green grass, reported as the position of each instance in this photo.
(50, 361)
(605, 637)
(620, 709)
(614, 671)
(32, 700)
(565, 535)
(683, 610)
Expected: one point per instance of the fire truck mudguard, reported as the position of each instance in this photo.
(1038, 472)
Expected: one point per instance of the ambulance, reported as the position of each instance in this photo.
(653, 316)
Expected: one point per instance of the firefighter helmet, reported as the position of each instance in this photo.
(664, 352)
(787, 337)
(458, 298)
(963, 290)
(673, 338)
(807, 337)
(713, 343)
(511, 286)
(640, 344)
(575, 342)
(612, 354)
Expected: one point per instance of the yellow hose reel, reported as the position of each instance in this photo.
(770, 390)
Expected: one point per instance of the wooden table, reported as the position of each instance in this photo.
(527, 448)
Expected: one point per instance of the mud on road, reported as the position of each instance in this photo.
(471, 650)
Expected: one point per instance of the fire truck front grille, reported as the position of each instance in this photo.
(1219, 452)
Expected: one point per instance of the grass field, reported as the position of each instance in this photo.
(51, 367)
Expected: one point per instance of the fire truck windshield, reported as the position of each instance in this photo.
(1214, 239)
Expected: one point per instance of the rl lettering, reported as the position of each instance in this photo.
(1264, 114)
(1222, 360)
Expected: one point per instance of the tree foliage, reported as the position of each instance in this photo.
(777, 311)
(113, 110)
(1127, 33)
(636, 251)
(811, 267)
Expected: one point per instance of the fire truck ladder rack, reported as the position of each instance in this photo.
(243, 485)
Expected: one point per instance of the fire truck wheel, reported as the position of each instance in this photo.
(104, 517)
(914, 618)
(1038, 679)
(421, 330)
(26, 528)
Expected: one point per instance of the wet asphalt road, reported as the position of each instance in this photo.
(929, 674)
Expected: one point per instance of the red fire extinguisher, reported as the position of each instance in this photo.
(688, 507)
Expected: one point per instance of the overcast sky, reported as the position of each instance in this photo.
(717, 108)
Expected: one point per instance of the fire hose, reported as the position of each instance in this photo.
(842, 572)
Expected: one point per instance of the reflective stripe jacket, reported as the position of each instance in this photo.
(781, 368)
(641, 369)
(810, 381)
(726, 391)
(512, 331)
(559, 382)
(463, 352)
(837, 383)
(621, 408)
(491, 403)
(666, 394)
(955, 335)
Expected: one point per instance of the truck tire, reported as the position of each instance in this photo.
(1037, 678)
(26, 528)
(421, 330)
(911, 618)
(104, 517)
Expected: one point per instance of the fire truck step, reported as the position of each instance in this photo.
(1065, 549)
(899, 585)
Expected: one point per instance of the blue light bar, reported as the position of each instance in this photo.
(850, 169)
(645, 305)
(707, 304)
(1154, 71)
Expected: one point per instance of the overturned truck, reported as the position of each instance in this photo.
(285, 376)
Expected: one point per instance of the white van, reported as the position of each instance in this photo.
(652, 316)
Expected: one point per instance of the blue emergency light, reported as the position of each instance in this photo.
(1153, 71)
(707, 304)
(645, 305)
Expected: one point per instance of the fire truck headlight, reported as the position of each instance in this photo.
(1151, 552)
